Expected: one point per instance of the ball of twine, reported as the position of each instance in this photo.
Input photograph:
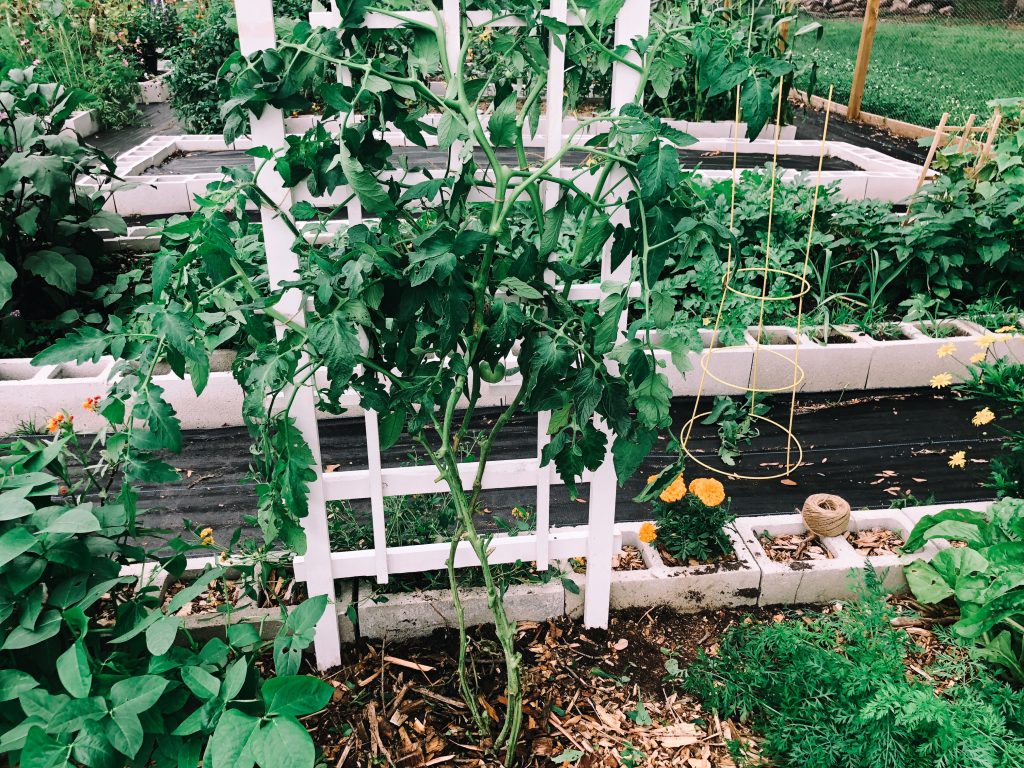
(826, 514)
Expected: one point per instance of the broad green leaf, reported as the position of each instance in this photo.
(137, 694)
(502, 125)
(54, 268)
(200, 682)
(86, 344)
(124, 730)
(14, 505)
(160, 635)
(336, 338)
(14, 682)
(46, 627)
(78, 519)
(658, 171)
(230, 745)
(42, 751)
(371, 194)
(296, 695)
(8, 275)
(284, 743)
(73, 670)
(756, 105)
(16, 541)
(926, 583)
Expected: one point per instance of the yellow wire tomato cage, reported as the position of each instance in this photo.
(794, 450)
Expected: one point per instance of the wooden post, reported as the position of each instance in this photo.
(940, 132)
(860, 70)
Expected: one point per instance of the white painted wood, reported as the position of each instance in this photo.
(255, 33)
(376, 495)
(565, 543)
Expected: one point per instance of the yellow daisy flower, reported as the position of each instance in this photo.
(940, 380)
(1007, 329)
(983, 417)
(648, 533)
(986, 341)
(977, 357)
(958, 460)
(946, 350)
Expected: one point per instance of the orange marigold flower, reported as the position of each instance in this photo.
(651, 479)
(675, 491)
(710, 491)
(648, 533)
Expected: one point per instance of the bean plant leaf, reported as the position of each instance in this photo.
(296, 695)
(73, 670)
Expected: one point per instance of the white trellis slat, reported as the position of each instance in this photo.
(632, 21)
(597, 540)
(255, 33)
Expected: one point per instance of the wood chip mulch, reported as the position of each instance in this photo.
(876, 542)
(594, 698)
(282, 590)
(794, 547)
(628, 559)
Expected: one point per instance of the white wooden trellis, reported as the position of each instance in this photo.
(319, 567)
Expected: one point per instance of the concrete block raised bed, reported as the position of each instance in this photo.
(1009, 345)
(688, 589)
(889, 568)
(155, 91)
(728, 368)
(405, 616)
(816, 581)
(913, 360)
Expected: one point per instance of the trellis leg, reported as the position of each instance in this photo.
(940, 132)
(632, 21)
(551, 191)
(255, 33)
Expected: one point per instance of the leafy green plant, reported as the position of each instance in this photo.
(414, 310)
(96, 669)
(690, 527)
(985, 576)
(80, 45)
(843, 688)
(998, 384)
(49, 245)
(208, 37)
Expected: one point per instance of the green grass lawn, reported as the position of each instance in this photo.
(921, 69)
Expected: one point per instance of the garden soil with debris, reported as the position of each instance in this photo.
(399, 705)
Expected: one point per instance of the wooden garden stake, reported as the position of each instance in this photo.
(860, 70)
(939, 132)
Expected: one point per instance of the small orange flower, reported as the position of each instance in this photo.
(92, 403)
(648, 533)
(675, 491)
(52, 425)
(651, 479)
(63, 490)
(710, 491)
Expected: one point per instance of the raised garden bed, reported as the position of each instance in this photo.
(27, 392)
